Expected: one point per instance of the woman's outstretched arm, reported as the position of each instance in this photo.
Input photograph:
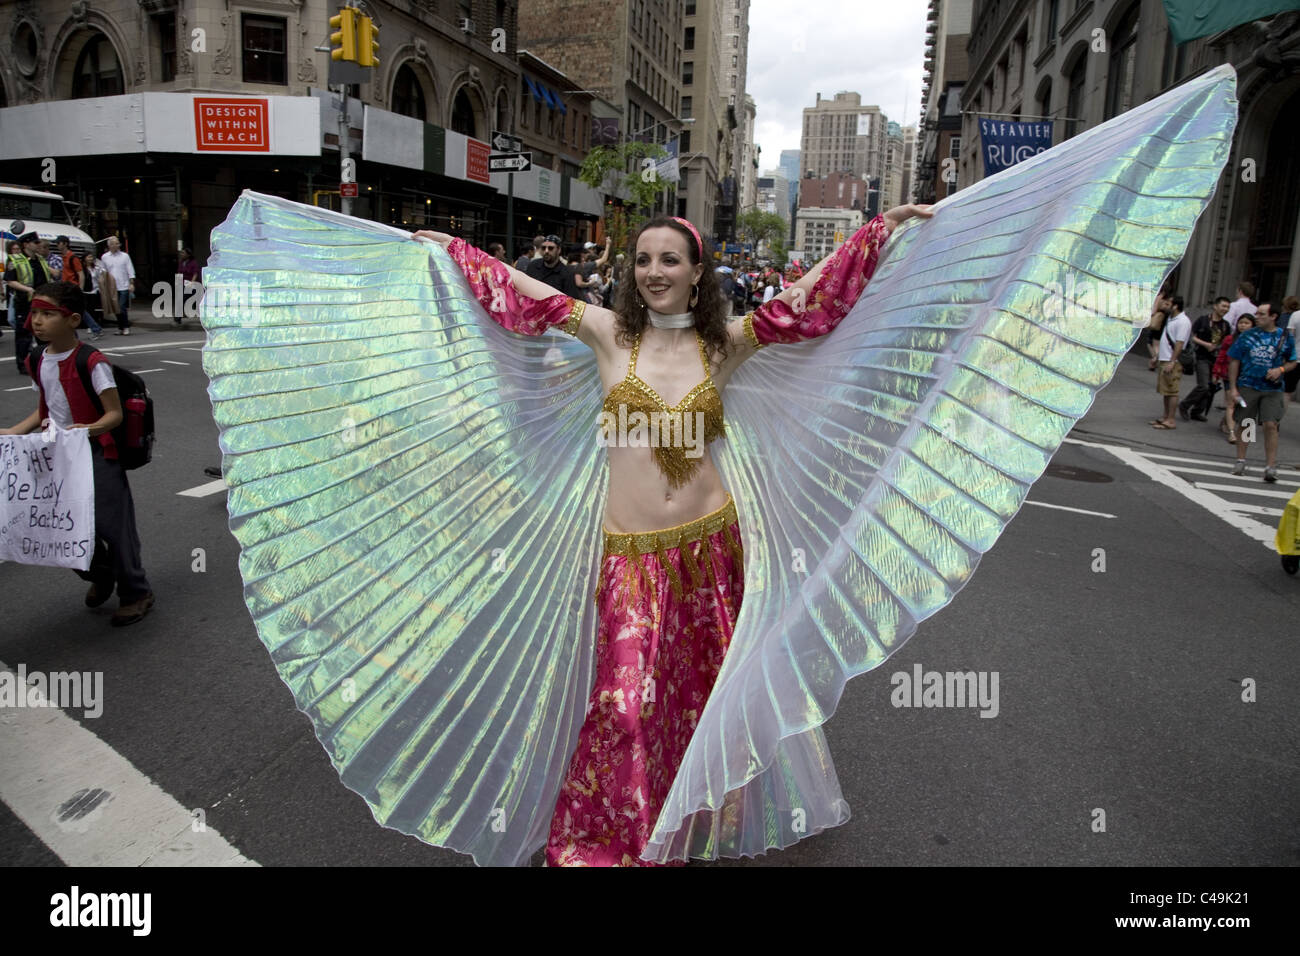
(815, 304)
(513, 300)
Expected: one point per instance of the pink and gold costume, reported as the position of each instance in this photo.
(668, 599)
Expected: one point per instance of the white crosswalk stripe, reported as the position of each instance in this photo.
(1234, 498)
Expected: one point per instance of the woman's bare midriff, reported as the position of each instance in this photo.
(641, 500)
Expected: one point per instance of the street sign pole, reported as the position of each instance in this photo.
(510, 217)
(345, 202)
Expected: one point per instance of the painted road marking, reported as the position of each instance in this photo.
(1257, 510)
(1089, 444)
(1212, 503)
(1080, 511)
(25, 388)
(1282, 479)
(154, 345)
(55, 770)
(170, 362)
(202, 491)
(145, 371)
(1267, 493)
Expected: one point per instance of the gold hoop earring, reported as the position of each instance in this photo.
(695, 295)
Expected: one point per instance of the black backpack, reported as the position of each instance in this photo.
(134, 437)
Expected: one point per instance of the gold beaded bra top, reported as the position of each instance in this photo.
(677, 433)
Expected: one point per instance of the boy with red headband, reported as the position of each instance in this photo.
(56, 313)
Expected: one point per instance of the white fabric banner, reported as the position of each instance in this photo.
(47, 498)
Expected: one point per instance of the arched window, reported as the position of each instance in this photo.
(408, 95)
(1122, 65)
(462, 115)
(98, 72)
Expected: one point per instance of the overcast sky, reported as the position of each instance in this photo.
(878, 52)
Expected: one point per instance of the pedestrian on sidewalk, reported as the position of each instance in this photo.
(1156, 326)
(1228, 425)
(73, 270)
(1242, 305)
(23, 273)
(1175, 338)
(1257, 362)
(1207, 335)
(122, 269)
(1289, 307)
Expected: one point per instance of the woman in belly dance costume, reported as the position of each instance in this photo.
(419, 502)
(672, 572)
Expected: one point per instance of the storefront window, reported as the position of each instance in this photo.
(265, 60)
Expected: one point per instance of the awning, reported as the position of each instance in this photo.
(550, 100)
(564, 110)
(537, 93)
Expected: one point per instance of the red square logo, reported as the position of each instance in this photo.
(232, 124)
(476, 161)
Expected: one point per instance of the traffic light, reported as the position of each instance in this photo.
(345, 24)
(367, 42)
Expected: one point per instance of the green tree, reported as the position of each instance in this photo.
(756, 226)
(643, 184)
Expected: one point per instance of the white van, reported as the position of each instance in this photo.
(46, 214)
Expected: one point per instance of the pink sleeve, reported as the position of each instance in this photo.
(841, 281)
(489, 277)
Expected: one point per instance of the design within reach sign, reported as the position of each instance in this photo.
(510, 162)
(232, 124)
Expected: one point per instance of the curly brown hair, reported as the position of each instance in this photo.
(712, 310)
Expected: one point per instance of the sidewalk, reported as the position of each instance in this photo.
(1123, 409)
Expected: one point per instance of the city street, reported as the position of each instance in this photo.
(1137, 616)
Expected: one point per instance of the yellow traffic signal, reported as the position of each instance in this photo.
(345, 24)
(367, 42)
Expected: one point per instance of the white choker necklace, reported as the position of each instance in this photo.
(660, 321)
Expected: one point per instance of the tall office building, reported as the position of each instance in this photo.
(840, 135)
(628, 52)
(734, 19)
(708, 190)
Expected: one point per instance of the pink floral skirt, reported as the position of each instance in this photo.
(668, 601)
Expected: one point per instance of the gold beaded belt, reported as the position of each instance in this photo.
(681, 536)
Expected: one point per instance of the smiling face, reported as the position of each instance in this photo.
(664, 274)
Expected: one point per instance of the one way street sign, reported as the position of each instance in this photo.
(510, 162)
(505, 143)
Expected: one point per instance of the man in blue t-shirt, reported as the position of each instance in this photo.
(1257, 362)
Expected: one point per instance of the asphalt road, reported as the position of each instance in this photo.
(1120, 690)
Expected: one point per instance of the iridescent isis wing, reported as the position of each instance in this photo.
(873, 467)
(417, 494)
